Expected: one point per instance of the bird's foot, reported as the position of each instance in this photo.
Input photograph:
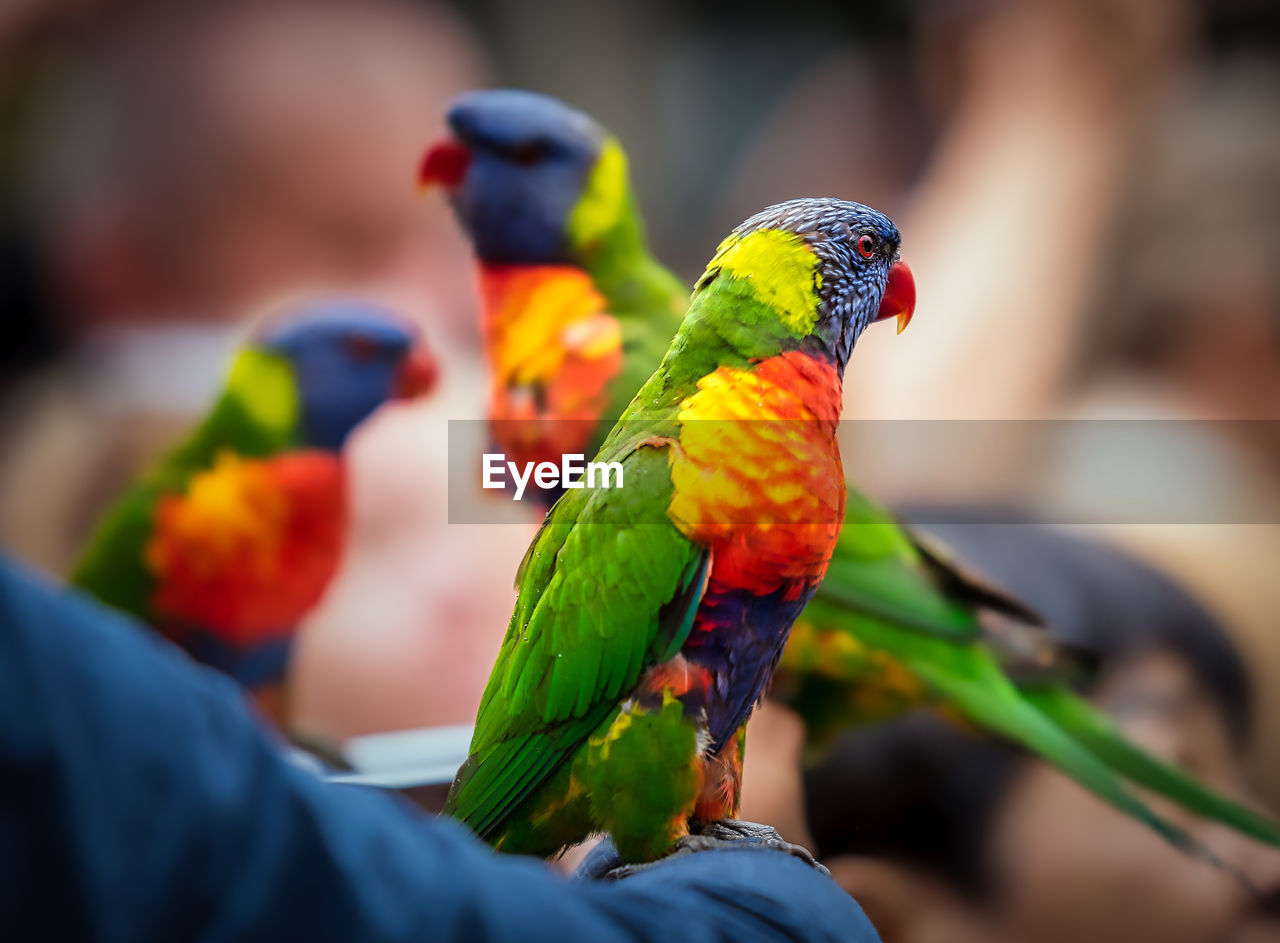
(736, 833)
(604, 863)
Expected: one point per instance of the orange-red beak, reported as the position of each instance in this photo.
(899, 299)
(444, 164)
(418, 374)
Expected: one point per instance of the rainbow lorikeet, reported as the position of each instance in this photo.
(896, 623)
(575, 311)
(651, 615)
(233, 536)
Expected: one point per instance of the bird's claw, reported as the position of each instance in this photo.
(604, 863)
(736, 833)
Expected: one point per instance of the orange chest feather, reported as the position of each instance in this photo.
(552, 346)
(251, 545)
(757, 472)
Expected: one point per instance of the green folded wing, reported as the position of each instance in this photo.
(609, 588)
(878, 571)
(884, 570)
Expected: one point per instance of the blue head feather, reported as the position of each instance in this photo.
(530, 157)
(851, 285)
(346, 358)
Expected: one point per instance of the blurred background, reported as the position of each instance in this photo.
(1089, 192)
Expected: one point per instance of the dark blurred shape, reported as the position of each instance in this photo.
(1185, 323)
(916, 790)
(28, 334)
(1234, 26)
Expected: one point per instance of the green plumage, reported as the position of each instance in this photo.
(604, 592)
(611, 766)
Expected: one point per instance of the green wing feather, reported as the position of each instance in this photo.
(608, 588)
(876, 570)
(885, 570)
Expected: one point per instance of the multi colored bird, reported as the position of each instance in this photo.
(234, 535)
(650, 616)
(575, 311)
(896, 623)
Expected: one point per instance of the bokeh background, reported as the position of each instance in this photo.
(1089, 192)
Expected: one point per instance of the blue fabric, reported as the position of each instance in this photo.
(139, 800)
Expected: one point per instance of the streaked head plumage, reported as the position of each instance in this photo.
(857, 276)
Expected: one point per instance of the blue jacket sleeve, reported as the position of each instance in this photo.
(140, 800)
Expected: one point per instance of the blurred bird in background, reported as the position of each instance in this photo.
(575, 312)
(233, 537)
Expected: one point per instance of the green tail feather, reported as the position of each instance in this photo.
(968, 676)
(1000, 708)
(970, 679)
(1092, 729)
(1008, 715)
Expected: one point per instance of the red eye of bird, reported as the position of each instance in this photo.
(866, 245)
(361, 349)
(528, 152)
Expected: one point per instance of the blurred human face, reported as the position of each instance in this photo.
(1072, 868)
(325, 195)
(296, 172)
